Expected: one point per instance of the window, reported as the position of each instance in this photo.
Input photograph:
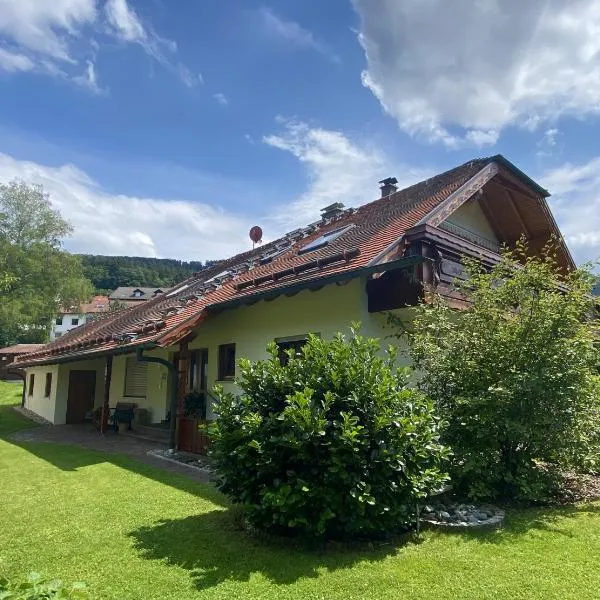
(295, 344)
(135, 377)
(48, 387)
(325, 239)
(75, 321)
(198, 370)
(58, 334)
(226, 361)
(59, 320)
(31, 384)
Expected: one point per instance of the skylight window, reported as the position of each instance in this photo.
(325, 239)
(177, 290)
(267, 258)
(218, 276)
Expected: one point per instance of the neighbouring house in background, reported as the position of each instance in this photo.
(74, 316)
(349, 265)
(9, 354)
(131, 296)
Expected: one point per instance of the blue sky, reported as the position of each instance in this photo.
(168, 128)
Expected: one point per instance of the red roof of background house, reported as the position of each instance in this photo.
(97, 304)
(169, 317)
(21, 348)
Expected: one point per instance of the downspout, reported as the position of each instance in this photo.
(173, 400)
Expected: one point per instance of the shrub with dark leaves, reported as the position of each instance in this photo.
(333, 443)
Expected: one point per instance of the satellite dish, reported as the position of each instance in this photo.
(256, 234)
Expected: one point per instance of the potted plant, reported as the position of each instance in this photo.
(194, 405)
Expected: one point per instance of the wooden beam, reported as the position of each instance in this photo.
(511, 182)
(106, 399)
(182, 375)
(461, 195)
(489, 215)
(515, 208)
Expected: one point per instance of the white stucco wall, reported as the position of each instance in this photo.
(325, 312)
(66, 325)
(37, 401)
(470, 216)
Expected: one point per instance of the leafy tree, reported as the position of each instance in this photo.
(38, 275)
(514, 375)
(332, 443)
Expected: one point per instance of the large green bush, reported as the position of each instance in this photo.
(331, 444)
(514, 376)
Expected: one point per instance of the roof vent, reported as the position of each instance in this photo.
(332, 211)
(388, 186)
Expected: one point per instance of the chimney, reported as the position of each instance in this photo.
(332, 211)
(388, 186)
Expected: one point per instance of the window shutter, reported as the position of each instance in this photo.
(135, 378)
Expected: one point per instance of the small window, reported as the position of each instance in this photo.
(325, 239)
(135, 378)
(75, 321)
(295, 344)
(226, 361)
(31, 383)
(58, 334)
(59, 320)
(48, 388)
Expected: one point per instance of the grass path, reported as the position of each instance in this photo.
(131, 531)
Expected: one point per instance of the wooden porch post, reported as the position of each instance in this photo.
(183, 369)
(105, 405)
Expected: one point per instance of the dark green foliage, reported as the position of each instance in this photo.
(514, 376)
(110, 272)
(332, 444)
(194, 405)
(36, 588)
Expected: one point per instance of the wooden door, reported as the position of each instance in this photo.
(82, 391)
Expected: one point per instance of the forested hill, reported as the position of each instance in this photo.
(110, 272)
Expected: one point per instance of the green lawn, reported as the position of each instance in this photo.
(131, 531)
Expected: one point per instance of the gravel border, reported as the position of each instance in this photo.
(459, 517)
(173, 456)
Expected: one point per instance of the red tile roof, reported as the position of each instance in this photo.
(97, 304)
(165, 319)
(21, 348)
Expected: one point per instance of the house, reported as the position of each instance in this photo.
(74, 316)
(8, 356)
(348, 265)
(130, 296)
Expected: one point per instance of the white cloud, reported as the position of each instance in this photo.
(460, 72)
(88, 79)
(53, 36)
(44, 26)
(13, 61)
(125, 21)
(292, 33)
(118, 224)
(575, 202)
(338, 170)
(221, 99)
